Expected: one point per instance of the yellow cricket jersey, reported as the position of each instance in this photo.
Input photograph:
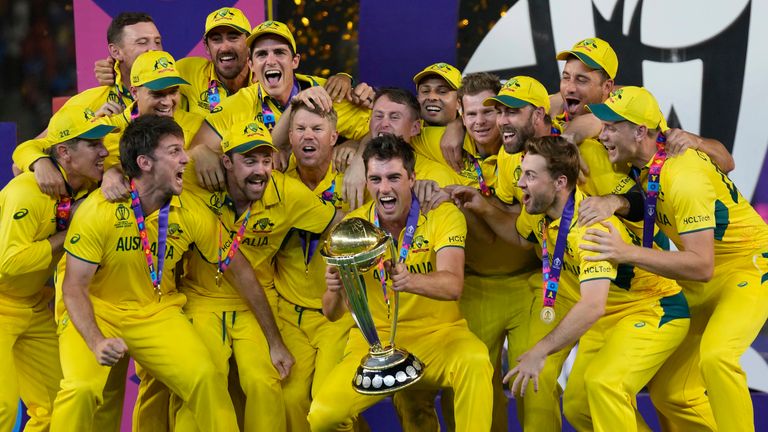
(296, 281)
(189, 121)
(629, 284)
(442, 227)
(27, 219)
(106, 234)
(30, 151)
(286, 205)
(427, 143)
(247, 104)
(509, 171)
(695, 195)
(501, 257)
(199, 73)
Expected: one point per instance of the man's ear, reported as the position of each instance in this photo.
(226, 161)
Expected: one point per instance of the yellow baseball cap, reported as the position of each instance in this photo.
(246, 136)
(155, 70)
(633, 104)
(272, 27)
(520, 91)
(595, 53)
(443, 70)
(75, 121)
(230, 17)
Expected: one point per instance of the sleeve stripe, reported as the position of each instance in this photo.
(79, 257)
(696, 230)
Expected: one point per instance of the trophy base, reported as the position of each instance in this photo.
(385, 372)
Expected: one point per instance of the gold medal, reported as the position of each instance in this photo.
(218, 278)
(547, 314)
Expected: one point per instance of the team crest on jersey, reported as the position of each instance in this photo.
(263, 225)
(122, 213)
(173, 230)
(420, 244)
(517, 173)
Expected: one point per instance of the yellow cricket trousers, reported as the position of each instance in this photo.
(727, 313)
(317, 345)
(453, 357)
(165, 345)
(29, 363)
(616, 359)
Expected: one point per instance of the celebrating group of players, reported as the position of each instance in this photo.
(179, 207)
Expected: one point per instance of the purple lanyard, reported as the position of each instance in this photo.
(405, 247)
(551, 276)
(652, 189)
(484, 189)
(309, 240)
(267, 116)
(214, 99)
(162, 236)
(224, 264)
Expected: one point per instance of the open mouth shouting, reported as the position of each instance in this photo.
(272, 77)
(387, 203)
(572, 105)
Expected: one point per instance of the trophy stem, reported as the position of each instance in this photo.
(354, 285)
(396, 295)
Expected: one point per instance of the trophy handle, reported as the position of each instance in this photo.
(395, 294)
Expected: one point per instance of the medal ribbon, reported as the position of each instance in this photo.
(484, 189)
(162, 236)
(214, 99)
(223, 265)
(405, 247)
(309, 240)
(551, 275)
(63, 211)
(267, 116)
(652, 187)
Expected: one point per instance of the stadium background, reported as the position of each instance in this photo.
(702, 58)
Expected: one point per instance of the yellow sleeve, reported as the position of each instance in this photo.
(87, 231)
(590, 270)
(29, 152)
(23, 213)
(451, 227)
(353, 120)
(693, 196)
(427, 143)
(525, 225)
(232, 109)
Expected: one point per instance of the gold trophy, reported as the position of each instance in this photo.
(355, 246)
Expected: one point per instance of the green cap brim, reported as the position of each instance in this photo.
(164, 83)
(250, 145)
(604, 113)
(100, 131)
(507, 100)
(587, 60)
